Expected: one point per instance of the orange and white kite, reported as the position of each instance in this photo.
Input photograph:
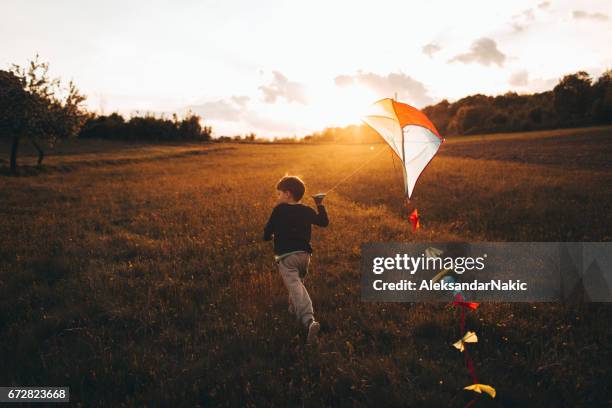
(409, 133)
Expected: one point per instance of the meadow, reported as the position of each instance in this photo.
(136, 274)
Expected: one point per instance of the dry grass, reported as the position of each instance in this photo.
(145, 282)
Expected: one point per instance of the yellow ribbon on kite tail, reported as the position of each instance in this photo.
(480, 388)
(469, 337)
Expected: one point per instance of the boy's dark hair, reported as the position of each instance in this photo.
(293, 185)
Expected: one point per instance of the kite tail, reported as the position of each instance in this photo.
(413, 218)
(477, 387)
(468, 361)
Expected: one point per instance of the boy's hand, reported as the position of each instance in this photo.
(318, 198)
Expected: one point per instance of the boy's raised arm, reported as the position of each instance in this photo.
(320, 216)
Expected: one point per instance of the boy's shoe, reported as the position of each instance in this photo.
(313, 331)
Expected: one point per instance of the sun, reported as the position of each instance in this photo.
(341, 106)
(353, 102)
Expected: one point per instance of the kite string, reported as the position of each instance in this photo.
(356, 170)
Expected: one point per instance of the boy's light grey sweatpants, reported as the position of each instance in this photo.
(293, 269)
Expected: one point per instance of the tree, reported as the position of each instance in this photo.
(13, 101)
(602, 95)
(469, 119)
(190, 129)
(439, 115)
(104, 127)
(44, 109)
(572, 97)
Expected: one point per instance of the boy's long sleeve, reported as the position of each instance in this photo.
(320, 217)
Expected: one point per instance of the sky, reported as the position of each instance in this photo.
(288, 68)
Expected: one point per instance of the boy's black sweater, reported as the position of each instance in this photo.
(290, 224)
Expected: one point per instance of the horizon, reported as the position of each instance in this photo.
(273, 84)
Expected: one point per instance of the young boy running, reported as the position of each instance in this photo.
(290, 225)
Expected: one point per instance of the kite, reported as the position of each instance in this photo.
(480, 388)
(409, 133)
(469, 337)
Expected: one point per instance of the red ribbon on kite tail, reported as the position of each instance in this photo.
(414, 220)
(461, 303)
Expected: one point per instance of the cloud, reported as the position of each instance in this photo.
(234, 112)
(222, 109)
(387, 85)
(281, 87)
(518, 27)
(542, 84)
(264, 125)
(583, 15)
(430, 49)
(483, 51)
(522, 20)
(344, 80)
(544, 5)
(519, 78)
(527, 15)
(241, 100)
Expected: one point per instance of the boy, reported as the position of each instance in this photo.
(290, 225)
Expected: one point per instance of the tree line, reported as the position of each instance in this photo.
(575, 101)
(146, 128)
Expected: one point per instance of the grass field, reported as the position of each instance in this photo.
(136, 275)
